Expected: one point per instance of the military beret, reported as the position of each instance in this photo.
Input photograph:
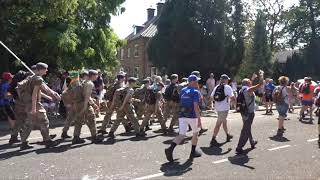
(184, 79)
(146, 81)
(174, 76)
(121, 73)
(132, 79)
(85, 73)
(197, 73)
(41, 65)
(33, 67)
(93, 72)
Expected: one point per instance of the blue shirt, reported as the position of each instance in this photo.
(189, 96)
(269, 88)
(4, 89)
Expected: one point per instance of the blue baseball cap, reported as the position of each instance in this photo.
(193, 77)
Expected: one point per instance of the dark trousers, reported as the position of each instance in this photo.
(246, 130)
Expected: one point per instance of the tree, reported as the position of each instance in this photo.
(261, 55)
(69, 34)
(199, 34)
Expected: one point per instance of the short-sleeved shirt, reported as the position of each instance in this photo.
(225, 104)
(284, 93)
(188, 97)
(250, 100)
(269, 88)
(36, 80)
(4, 89)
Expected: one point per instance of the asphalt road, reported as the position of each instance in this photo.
(296, 156)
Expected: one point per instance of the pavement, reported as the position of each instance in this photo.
(295, 156)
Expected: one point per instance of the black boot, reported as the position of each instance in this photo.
(25, 145)
(127, 128)
(229, 137)
(102, 132)
(51, 143)
(214, 142)
(65, 135)
(194, 153)
(77, 140)
(13, 139)
(169, 152)
(111, 135)
(148, 128)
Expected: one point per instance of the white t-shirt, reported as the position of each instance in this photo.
(211, 82)
(225, 104)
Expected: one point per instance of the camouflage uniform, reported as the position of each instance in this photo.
(110, 110)
(172, 106)
(127, 111)
(140, 106)
(20, 113)
(88, 117)
(40, 118)
(150, 109)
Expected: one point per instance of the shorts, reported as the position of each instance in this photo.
(222, 116)
(269, 98)
(185, 122)
(307, 103)
(7, 111)
(283, 110)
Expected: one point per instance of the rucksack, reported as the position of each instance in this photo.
(277, 96)
(111, 90)
(120, 94)
(73, 94)
(151, 97)
(219, 94)
(175, 95)
(305, 89)
(169, 91)
(242, 106)
(24, 90)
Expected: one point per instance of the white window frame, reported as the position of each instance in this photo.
(128, 53)
(122, 54)
(153, 71)
(136, 71)
(136, 50)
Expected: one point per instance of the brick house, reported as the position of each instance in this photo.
(133, 57)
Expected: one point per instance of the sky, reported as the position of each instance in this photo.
(136, 14)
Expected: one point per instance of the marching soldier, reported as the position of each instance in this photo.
(153, 106)
(110, 101)
(123, 103)
(140, 94)
(86, 111)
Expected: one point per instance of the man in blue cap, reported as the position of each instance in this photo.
(189, 116)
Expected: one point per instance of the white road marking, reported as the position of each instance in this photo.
(280, 147)
(220, 161)
(150, 176)
(311, 140)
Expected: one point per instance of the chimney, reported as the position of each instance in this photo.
(159, 8)
(150, 13)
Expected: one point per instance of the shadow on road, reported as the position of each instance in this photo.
(185, 141)
(175, 168)
(279, 138)
(241, 160)
(217, 151)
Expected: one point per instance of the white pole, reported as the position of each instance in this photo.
(16, 57)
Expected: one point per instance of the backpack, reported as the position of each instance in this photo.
(111, 91)
(120, 94)
(242, 106)
(277, 96)
(219, 94)
(169, 91)
(73, 94)
(24, 90)
(151, 97)
(305, 89)
(175, 95)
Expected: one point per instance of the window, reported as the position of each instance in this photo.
(153, 71)
(136, 72)
(136, 50)
(121, 69)
(122, 54)
(129, 53)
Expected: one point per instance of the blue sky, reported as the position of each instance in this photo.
(136, 14)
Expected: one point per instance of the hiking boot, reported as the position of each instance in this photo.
(229, 137)
(65, 135)
(103, 132)
(111, 135)
(239, 151)
(127, 128)
(13, 139)
(97, 139)
(148, 128)
(168, 152)
(52, 136)
(51, 143)
(195, 154)
(280, 132)
(253, 144)
(171, 130)
(214, 143)
(25, 145)
(78, 140)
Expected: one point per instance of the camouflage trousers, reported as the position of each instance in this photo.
(174, 108)
(149, 110)
(88, 117)
(140, 109)
(69, 119)
(127, 111)
(107, 117)
(20, 120)
(41, 120)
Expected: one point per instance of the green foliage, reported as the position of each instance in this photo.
(69, 34)
(199, 34)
